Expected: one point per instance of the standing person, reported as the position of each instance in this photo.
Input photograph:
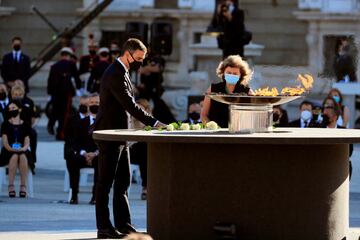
(116, 102)
(61, 89)
(231, 21)
(344, 64)
(93, 85)
(16, 65)
(4, 100)
(235, 75)
(87, 62)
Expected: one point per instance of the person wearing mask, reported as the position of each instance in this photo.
(15, 151)
(231, 21)
(87, 62)
(235, 75)
(194, 114)
(116, 102)
(71, 133)
(28, 115)
(280, 117)
(306, 117)
(343, 119)
(61, 89)
(93, 85)
(85, 150)
(16, 65)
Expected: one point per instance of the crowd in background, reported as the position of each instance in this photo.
(69, 78)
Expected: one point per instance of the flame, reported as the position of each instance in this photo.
(306, 81)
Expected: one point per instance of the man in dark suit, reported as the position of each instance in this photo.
(82, 149)
(16, 65)
(61, 89)
(116, 102)
(306, 118)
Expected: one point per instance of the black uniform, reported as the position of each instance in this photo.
(16, 68)
(61, 90)
(87, 62)
(93, 84)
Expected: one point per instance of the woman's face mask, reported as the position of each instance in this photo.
(231, 79)
(336, 98)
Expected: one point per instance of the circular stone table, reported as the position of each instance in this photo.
(288, 184)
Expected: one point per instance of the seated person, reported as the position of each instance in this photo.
(80, 148)
(194, 114)
(280, 117)
(138, 150)
(235, 74)
(15, 151)
(306, 117)
(29, 114)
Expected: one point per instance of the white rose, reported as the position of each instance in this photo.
(212, 125)
(185, 126)
(196, 126)
(170, 127)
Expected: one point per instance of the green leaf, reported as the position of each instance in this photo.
(148, 128)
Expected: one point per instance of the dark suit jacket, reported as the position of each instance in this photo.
(116, 98)
(59, 81)
(84, 136)
(12, 70)
(93, 84)
(297, 123)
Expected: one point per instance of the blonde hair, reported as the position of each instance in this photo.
(235, 61)
(17, 88)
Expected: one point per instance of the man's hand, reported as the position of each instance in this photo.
(160, 125)
(90, 157)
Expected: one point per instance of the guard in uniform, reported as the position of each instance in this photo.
(61, 89)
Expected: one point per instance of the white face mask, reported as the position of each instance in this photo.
(231, 7)
(306, 115)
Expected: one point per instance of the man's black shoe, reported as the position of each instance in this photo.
(74, 201)
(109, 233)
(128, 228)
(92, 201)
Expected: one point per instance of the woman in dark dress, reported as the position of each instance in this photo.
(15, 152)
(235, 74)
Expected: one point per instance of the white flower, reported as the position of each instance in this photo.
(185, 126)
(212, 125)
(170, 127)
(195, 126)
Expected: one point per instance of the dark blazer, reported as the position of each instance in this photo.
(116, 98)
(12, 70)
(84, 136)
(93, 84)
(59, 81)
(87, 63)
(297, 123)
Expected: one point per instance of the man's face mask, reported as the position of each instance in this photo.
(2, 96)
(94, 109)
(135, 65)
(17, 47)
(83, 109)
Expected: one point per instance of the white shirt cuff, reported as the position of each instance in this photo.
(82, 152)
(156, 123)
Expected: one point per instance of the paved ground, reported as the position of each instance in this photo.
(48, 216)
